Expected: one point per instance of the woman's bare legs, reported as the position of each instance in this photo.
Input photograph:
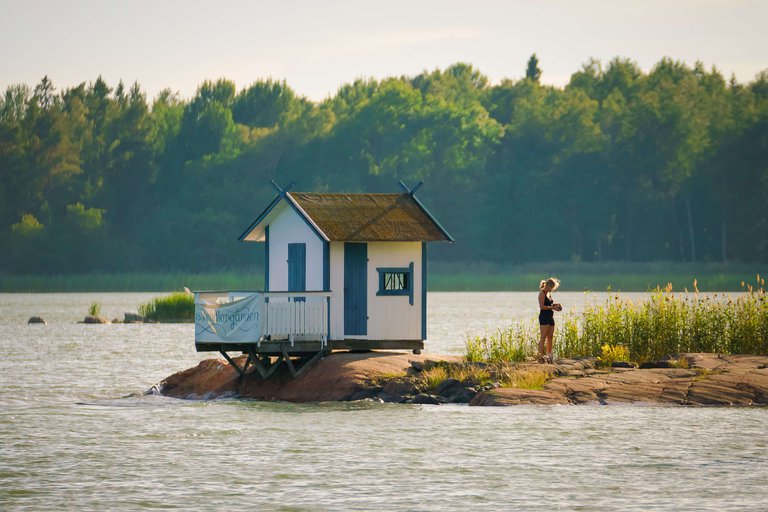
(544, 333)
(550, 339)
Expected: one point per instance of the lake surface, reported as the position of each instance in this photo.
(77, 433)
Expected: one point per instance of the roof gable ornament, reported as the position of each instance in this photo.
(410, 191)
(282, 191)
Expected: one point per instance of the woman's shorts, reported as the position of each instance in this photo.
(546, 319)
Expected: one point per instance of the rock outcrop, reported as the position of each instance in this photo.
(709, 379)
(338, 377)
(698, 379)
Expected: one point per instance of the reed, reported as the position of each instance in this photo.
(94, 309)
(132, 282)
(512, 344)
(624, 276)
(175, 308)
(664, 324)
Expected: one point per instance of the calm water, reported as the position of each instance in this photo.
(72, 437)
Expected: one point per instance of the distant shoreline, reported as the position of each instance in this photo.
(475, 276)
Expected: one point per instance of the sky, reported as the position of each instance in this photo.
(317, 46)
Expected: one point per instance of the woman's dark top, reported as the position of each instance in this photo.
(547, 316)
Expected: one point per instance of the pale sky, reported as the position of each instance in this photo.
(317, 46)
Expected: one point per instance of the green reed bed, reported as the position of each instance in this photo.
(132, 282)
(512, 344)
(177, 307)
(661, 325)
(443, 276)
(634, 276)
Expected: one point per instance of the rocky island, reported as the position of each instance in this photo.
(695, 379)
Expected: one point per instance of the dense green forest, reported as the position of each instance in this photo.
(619, 165)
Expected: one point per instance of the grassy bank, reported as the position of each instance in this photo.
(662, 325)
(442, 277)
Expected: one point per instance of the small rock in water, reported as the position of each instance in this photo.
(447, 386)
(454, 391)
(424, 398)
(36, 320)
(95, 320)
(132, 318)
(464, 396)
(365, 394)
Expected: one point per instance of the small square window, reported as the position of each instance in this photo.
(396, 281)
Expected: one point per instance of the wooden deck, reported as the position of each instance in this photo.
(275, 328)
(278, 347)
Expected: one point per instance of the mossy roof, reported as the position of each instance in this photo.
(370, 217)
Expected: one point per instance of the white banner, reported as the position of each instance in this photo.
(238, 321)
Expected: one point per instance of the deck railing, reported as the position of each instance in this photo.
(253, 317)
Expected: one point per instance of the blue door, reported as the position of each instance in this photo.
(297, 268)
(355, 289)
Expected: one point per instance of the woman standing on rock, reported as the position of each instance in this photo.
(547, 308)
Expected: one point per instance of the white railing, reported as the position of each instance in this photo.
(274, 316)
(287, 317)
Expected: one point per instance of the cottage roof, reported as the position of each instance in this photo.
(363, 217)
(370, 217)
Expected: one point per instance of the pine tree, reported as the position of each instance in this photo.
(533, 72)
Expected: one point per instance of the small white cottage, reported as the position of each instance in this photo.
(368, 250)
(348, 270)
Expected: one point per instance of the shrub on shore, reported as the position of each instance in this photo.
(177, 307)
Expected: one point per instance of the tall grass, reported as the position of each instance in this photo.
(94, 309)
(512, 344)
(664, 324)
(177, 307)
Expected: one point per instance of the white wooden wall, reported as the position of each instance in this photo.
(288, 228)
(393, 317)
(389, 317)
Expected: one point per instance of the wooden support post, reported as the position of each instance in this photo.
(271, 367)
(260, 368)
(248, 361)
(289, 363)
(315, 358)
(274, 366)
(232, 363)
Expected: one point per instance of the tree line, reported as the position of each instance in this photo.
(618, 165)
